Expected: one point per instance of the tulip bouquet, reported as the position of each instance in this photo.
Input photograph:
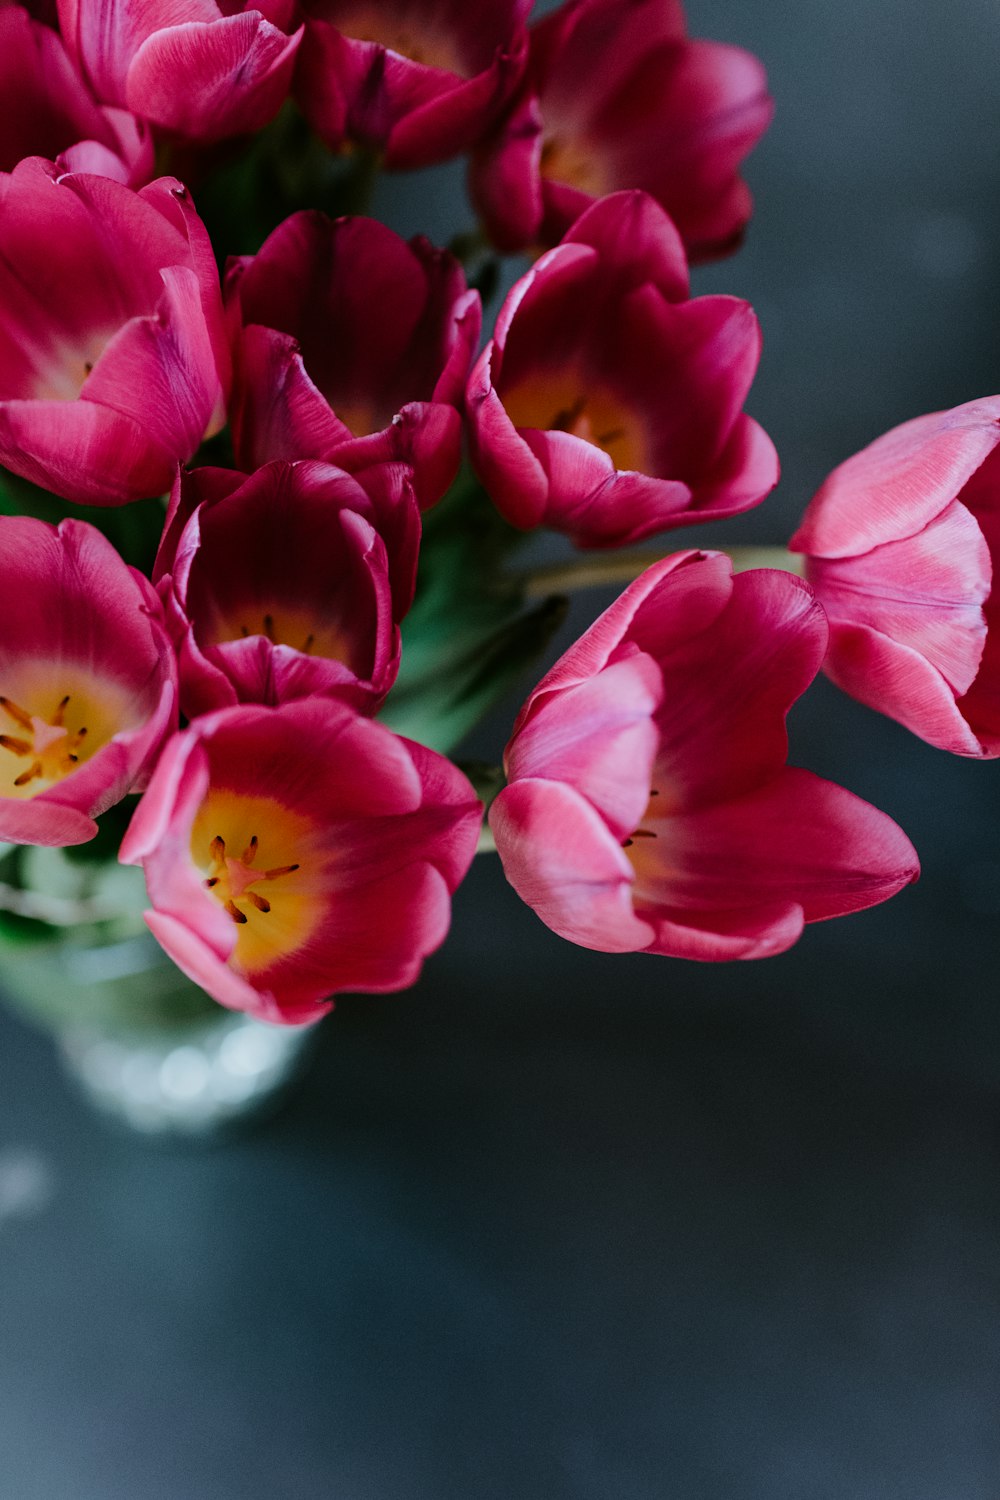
(255, 594)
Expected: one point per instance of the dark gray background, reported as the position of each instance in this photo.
(555, 1226)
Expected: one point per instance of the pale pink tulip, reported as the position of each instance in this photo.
(649, 806)
(903, 544)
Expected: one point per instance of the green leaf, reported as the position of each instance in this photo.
(469, 634)
(441, 707)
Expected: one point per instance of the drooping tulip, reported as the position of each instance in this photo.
(281, 585)
(903, 547)
(87, 680)
(418, 82)
(609, 405)
(196, 70)
(351, 345)
(617, 96)
(113, 356)
(292, 853)
(649, 806)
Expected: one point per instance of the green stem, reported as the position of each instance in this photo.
(601, 570)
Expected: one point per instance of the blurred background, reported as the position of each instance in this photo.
(560, 1226)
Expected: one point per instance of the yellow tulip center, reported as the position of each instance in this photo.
(254, 855)
(45, 736)
(574, 162)
(564, 401)
(62, 375)
(409, 37)
(283, 627)
(641, 845)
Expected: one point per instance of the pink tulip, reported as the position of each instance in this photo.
(421, 83)
(113, 357)
(607, 405)
(281, 586)
(903, 541)
(291, 853)
(649, 806)
(87, 680)
(616, 96)
(49, 111)
(196, 70)
(351, 345)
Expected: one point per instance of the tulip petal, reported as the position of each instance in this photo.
(236, 70)
(926, 591)
(560, 857)
(727, 689)
(82, 450)
(900, 482)
(160, 371)
(797, 839)
(600, 737)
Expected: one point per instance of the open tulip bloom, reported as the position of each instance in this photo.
(295, 852)
(88, 683)
(319, 600)
(648, 803)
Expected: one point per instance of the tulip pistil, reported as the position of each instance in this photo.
(232, 880)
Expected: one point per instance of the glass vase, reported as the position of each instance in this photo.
(144, 1045)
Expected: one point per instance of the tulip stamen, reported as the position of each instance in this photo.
(269, 629)
(644, 833)
(307, 644)
(18, 746)
(566, 420)
(35, 769)
(231, 880)
(16, 712)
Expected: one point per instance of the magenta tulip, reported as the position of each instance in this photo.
(616, 96)
(196, 70)
(113, 356)
(281, 586)
(291, 853)
(418, 82)
(351, 345)
(903, 542)
(87, 680)
(609, 406)
(49, 110)
(649, 806)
